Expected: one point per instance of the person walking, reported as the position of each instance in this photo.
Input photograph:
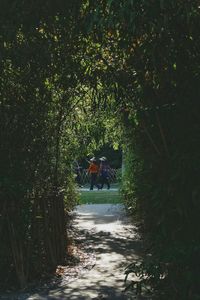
(93, 170)
(104, 172)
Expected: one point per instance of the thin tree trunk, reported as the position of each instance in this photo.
(162, 135)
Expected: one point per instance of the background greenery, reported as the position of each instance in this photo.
(99, 197)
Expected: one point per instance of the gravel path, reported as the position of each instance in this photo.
(112, 240)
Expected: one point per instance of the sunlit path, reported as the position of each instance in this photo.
(111, 236)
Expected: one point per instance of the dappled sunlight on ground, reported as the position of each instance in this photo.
(105, 236)
(108, 232)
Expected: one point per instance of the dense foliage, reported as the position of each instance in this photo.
(76, 75)
(152, 68)
(47, 118)
(37, 88)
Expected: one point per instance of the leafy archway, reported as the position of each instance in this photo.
(76, 74)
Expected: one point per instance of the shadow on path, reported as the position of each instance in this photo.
(106, 231)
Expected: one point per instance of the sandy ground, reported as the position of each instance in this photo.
(113, 239)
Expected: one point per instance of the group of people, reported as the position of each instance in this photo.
(99, 171)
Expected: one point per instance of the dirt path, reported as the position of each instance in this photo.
(114, 242)
(108, 233)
